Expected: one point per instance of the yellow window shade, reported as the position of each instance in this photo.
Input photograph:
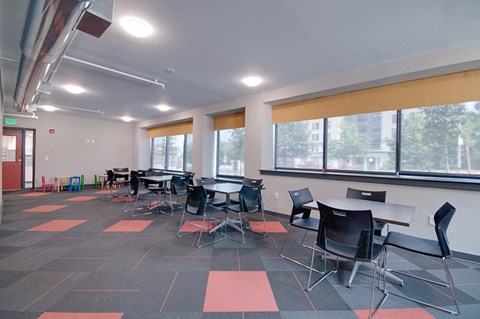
(229, 121)
(170, 130)
(445, 89)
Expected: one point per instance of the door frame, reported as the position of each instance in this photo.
(24, 137)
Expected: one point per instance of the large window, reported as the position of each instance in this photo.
(364, 142)
(437, 140)
(299, 144)
(173, 153)
(441, 139)
(230, 146)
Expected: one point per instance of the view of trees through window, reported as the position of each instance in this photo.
(441, 139)
(434, 140)
(230, 150)
(169, 152)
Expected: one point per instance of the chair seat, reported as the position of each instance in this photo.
(306, 223)
(216, 201)
(237, 209)
(414, 244)
(350, 252)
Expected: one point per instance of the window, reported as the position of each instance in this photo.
(441, 139)
(172, 153)
(230, 149)
(361, 142)
(297, 146)
(437, 140)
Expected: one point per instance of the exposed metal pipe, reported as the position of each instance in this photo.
(50, 27)
(155, 81)
(47, 31)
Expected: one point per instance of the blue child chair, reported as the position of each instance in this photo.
(74, 183)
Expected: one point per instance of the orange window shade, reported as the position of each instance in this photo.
(439, 90)
(170, 130)
(229, 121)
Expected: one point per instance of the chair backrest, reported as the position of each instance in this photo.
(250, 198)
(179, 184)
(300, 197)
(75, 180)
(120, 170)
(346, 230)
(206, 181)
(442, 218)
(43, 180)
(135, 184)
(252, 182)
(196, 200)
(376, 196)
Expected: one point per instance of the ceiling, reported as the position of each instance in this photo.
(212, 44)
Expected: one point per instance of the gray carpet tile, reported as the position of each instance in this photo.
(153, 274)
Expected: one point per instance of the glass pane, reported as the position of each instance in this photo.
(175, 152)
(364, 142)
(28, 159)
(188, 156)
(441, 139)
(230, 152)
(300, 145)
(9, 148)
(158, 152)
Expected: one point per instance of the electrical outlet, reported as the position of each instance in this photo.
(275, 195)
(431, 220)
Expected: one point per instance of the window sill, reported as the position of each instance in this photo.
(468, 184)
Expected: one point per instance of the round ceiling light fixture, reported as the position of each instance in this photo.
(163, 107)
(74, 89)
(252, 81)
(136, 27)
(127, 118)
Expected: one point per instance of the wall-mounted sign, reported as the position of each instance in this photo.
(10, 121)
(51, 131)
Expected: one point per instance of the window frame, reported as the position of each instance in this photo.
(217, 155)
(397, 173)
(167, 152)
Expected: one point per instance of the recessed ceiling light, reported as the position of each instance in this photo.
(49, 108)
(74, 89)
(252, 81)
(163, 107)
(127, 118)
(136, 27)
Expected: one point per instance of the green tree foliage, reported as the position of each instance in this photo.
(292, 142)
(350, 146)
(441, 132)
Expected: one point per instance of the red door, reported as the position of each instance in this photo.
(12, 159)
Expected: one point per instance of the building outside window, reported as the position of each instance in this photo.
(230, 152)
(299, 144)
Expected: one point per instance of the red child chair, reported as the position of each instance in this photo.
(44, 186)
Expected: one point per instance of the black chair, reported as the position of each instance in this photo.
(178, 189)
(197, 205)
(247, 182)
(212, 200)
(376, 196)
(305, 222)
(434, 248)
(140, 196)
(117, 188)
(349, 235)
(250, 203)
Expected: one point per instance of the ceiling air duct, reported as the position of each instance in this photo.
(50, 26)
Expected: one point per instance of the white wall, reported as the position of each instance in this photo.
(79, 145)
(259, 144)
